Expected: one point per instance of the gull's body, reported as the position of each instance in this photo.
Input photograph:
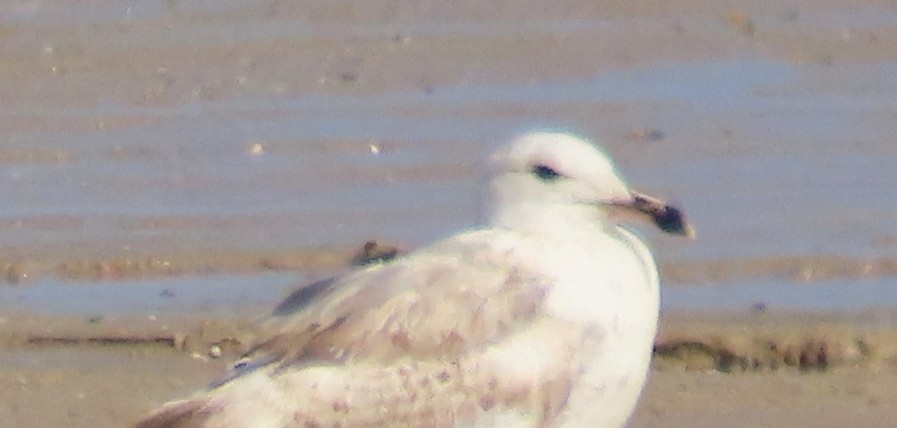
(543, 317)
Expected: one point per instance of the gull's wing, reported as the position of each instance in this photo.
(451, 329)
(456, 295)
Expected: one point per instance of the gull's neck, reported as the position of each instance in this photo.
(553, 221)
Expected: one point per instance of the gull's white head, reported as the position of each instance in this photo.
(543, 178)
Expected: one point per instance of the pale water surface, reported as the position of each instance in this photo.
(768, 159)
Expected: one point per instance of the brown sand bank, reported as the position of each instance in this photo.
(710, 370)
(86, 265)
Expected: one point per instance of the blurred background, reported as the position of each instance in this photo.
(148, 138)
(204, 157)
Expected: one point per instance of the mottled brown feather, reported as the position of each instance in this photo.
(418, 307)
(179, 414)
(412, 336)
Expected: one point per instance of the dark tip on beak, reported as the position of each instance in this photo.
(671, 220)
(667, 217)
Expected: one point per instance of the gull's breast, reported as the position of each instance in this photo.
(609, 286)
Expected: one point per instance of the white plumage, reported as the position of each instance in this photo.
(545, 316)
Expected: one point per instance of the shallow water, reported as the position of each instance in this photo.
(213, 294)
(851, 295)
(750, 154)
(769, 159)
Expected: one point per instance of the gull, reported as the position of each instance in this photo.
(544, 316)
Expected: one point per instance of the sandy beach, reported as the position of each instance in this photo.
(170, 169)
(739, 370)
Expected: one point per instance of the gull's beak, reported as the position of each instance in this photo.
(667, 217)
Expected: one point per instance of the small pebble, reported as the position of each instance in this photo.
(215, 351)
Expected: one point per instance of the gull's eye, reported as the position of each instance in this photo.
(546, 173)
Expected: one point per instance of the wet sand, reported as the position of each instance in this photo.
(724, 369)
(184, 139)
